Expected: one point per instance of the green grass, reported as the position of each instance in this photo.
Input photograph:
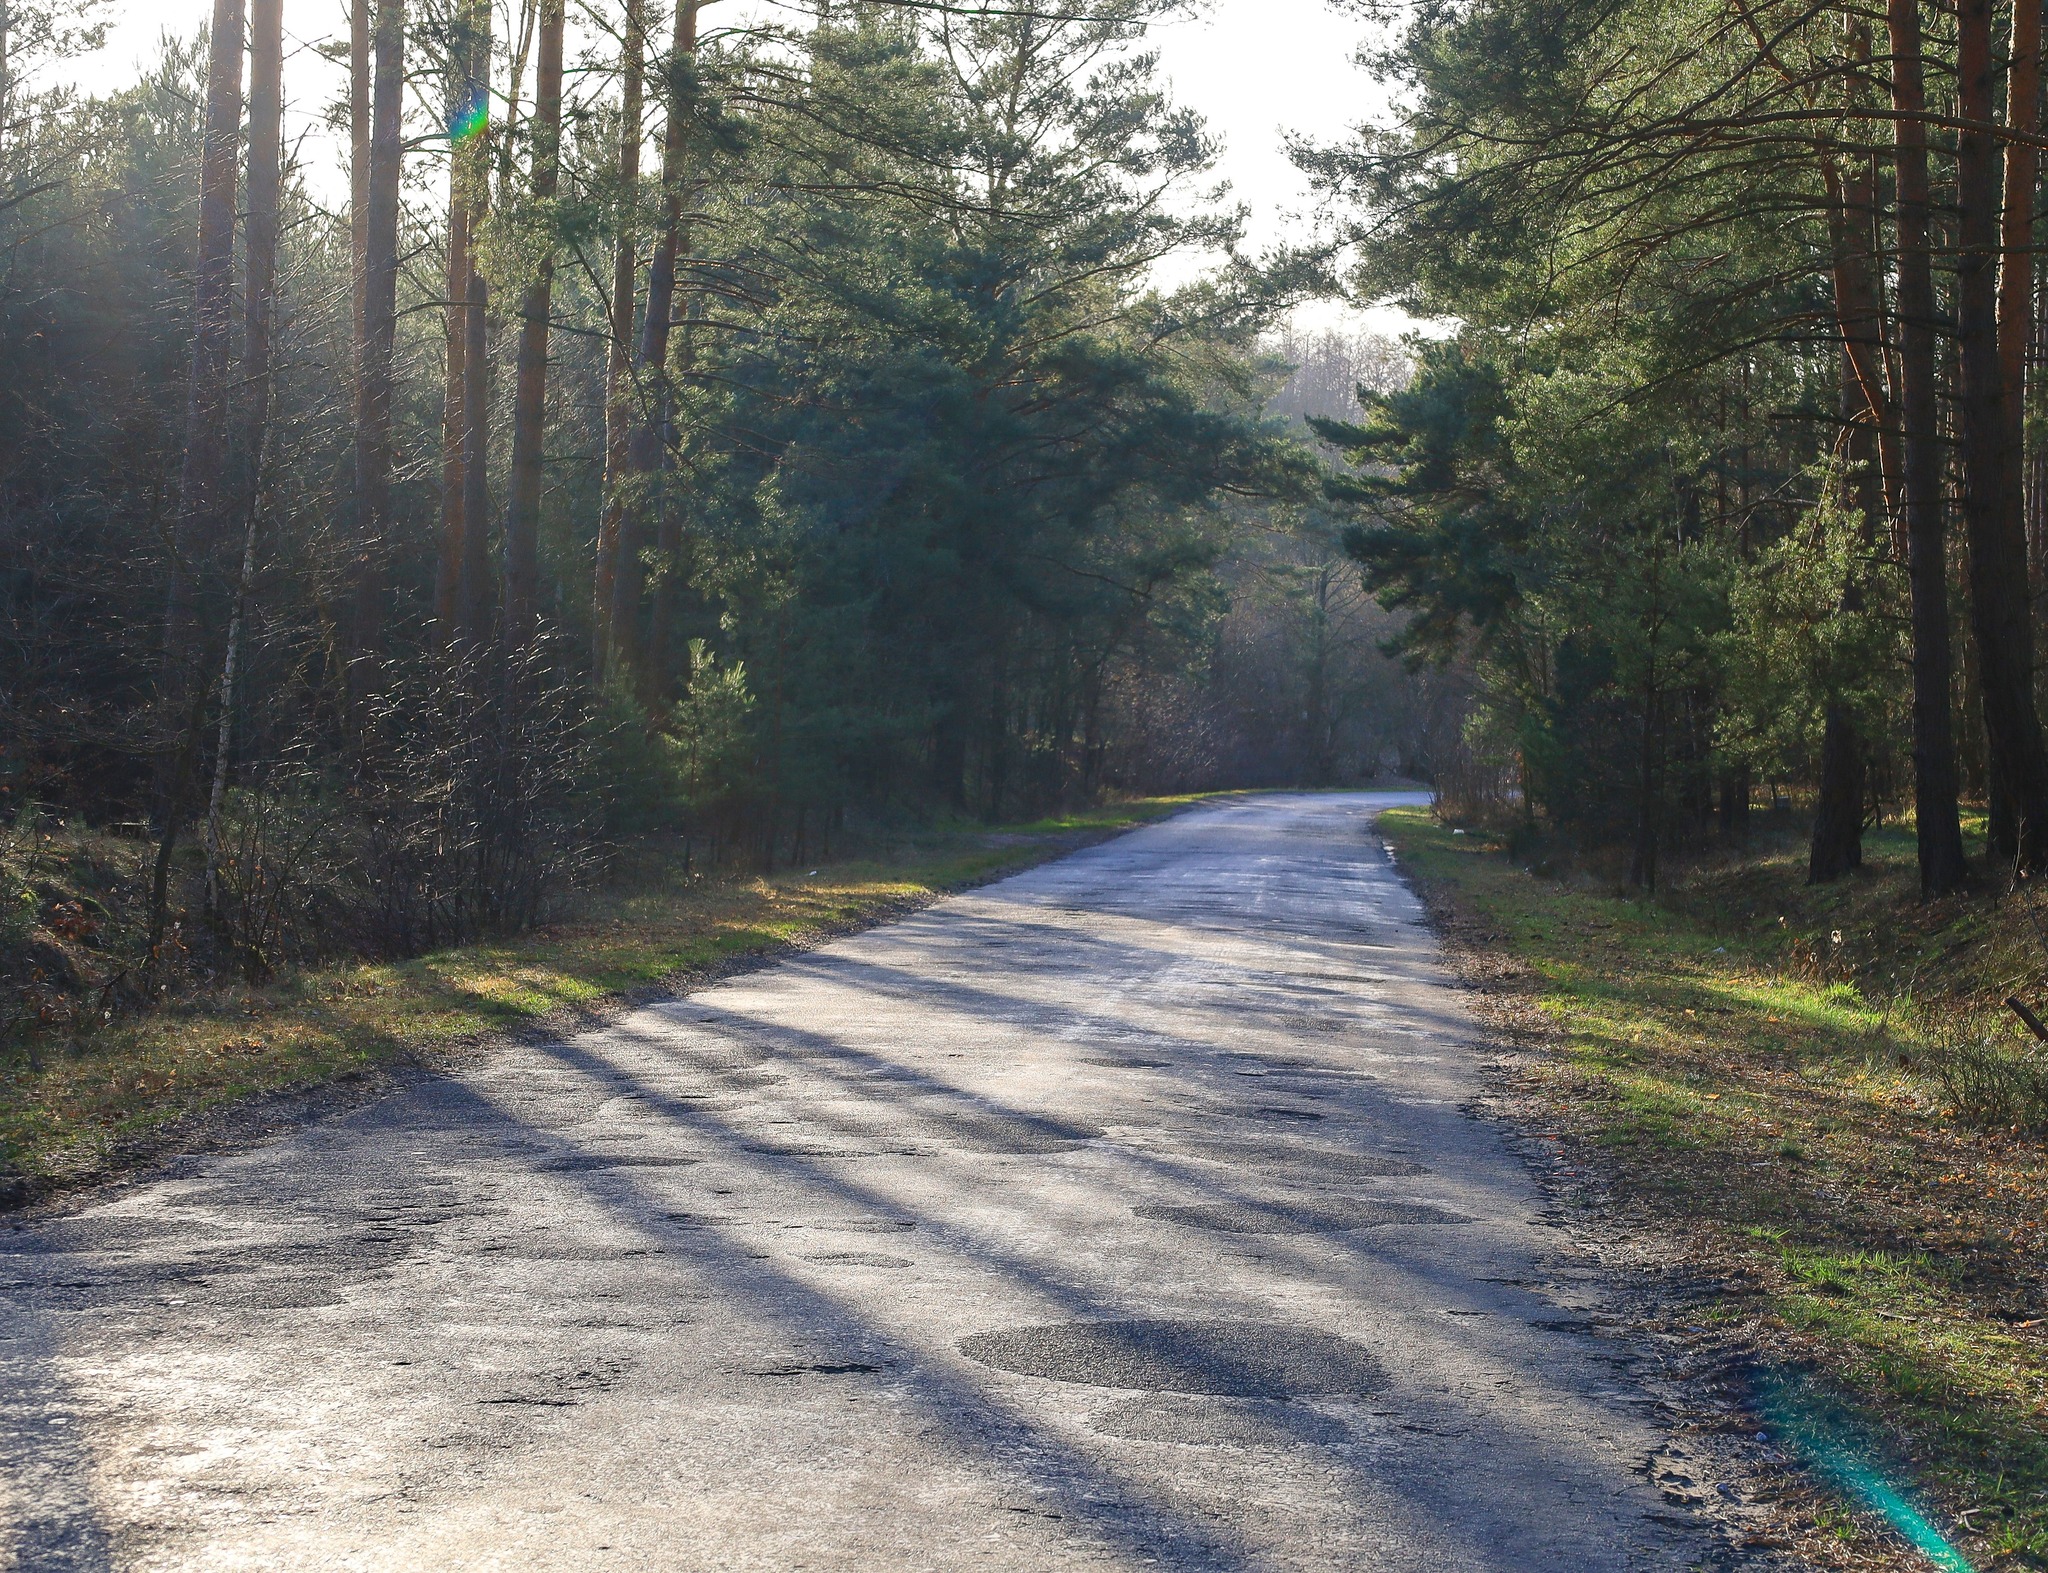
(1759, 1084)
(72, 1107)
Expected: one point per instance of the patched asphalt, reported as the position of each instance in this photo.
(1123, 1214)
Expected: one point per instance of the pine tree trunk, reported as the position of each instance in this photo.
(1837, 845)
(202, 499)
(619, 390)
(379, 331)
(468, 112)
(473, 597)
(1650, 792)
(2000, 613)
(2037, 453)
(1860, 319)
(359, 21)
(2016, 281)
(2016, 262)
(1838, 819)
(529, 391)
(202, 490)
(1938, 828)
(454, 409)
(6, 72)
(1734, 813)
(648, 444)
(266, 151)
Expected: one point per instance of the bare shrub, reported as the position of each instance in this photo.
(1991, 1079)
(273, 877)
(477, 813)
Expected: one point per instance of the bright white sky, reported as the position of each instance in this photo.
(1255, 69)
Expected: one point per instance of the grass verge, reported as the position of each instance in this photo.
(74, 1109)
(1766, 1070)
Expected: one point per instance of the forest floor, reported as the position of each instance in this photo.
(224, 1063)
(1795, 1084)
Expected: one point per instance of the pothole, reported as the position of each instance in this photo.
(1323, 1160)
(865, 1225)
(1111, 1062)
(1228, 1359)
(786, 1368)
(1214, 1422)
(857, 1259)
(742, 1078)
(1279, 1111)
(593, 1162)
(806, 1150)
(1313, 1218)
(1017, 1134)
(273, 1294)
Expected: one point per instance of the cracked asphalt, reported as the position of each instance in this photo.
(1121, 1214)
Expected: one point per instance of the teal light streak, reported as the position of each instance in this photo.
(1824, 1439)
(469, 120)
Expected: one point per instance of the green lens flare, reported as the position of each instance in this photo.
(469, 120)
(1824, 1438)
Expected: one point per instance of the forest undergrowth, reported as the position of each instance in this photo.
(1819, 1092)
(82, 1095)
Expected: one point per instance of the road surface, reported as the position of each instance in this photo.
(1118, 1215)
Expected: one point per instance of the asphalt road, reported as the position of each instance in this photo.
(1121, 1214)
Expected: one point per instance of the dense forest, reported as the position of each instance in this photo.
(1732, 480)
(732, 434)
(669, 430)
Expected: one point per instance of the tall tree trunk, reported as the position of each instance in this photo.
(1734, 814)
(1837, 845)
(522, 50)
(1838, 820)
(1649, 788)
(6, 71)
(2016, 261)
(202, 500)
(454, 409)
(468, 115)
(266, 174)
(2000, 613)
(2037, 453)
(529, 392)
(379, 330)
(474, 594)
(2016, 266)
(266, 153)
(619, 391)
(1938, 830)
(202, 489)
(648, 444)
(224, 732)
(2016, 310)
(1860, 317)
(359, 21)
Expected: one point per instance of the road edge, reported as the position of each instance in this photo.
(243, 1123)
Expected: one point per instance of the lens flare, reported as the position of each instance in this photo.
(469, 119)
(1816, 1430)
